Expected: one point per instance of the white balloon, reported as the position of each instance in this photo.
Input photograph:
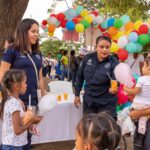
(51, 20)
(47, 103)
(93, 16)
(123, 74)
(122, 41)
(99, 19)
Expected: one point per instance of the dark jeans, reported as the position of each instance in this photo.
(142, 142)
(97, 108)
(9, 147)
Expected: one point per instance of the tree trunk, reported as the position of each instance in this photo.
(11, 13)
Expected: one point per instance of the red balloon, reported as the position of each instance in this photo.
(101, 29)
(75, 20)
(135, 31)
(122, 54)
(61, 16)
(63, 23)
(53, 15)
(44, 22)
(143, 29)
(95, 13)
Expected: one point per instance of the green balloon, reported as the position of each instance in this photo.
(118, 23)
(85, 23)
(118, 108)
(144, 39)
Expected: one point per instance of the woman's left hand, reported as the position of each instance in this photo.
(113, 91)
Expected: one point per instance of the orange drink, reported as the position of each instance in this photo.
(59, 98)
(65, 96)
(114, 85)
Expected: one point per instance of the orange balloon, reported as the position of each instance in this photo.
(112, 31)
(79, 19)
(129, 26)
(51, 28)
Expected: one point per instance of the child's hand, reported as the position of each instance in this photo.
(37, 119)
(126, 89)
(34, 130)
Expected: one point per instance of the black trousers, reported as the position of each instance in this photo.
(97, 108)
(142, 142)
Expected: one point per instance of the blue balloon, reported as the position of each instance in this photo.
(110, 22)
(133, 37)
(104, 25)
(125, 105)
(71, 13)
(125, 19)
(70, 25)
(79, 9)
(139, 47)
(131, 47)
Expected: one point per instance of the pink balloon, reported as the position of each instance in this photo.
(123, 74)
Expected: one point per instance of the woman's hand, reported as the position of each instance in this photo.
(77, 101)
(135, 114)
(113, 91)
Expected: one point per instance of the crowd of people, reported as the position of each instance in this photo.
(22, 72)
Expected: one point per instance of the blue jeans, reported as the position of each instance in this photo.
(64, 72)
(10, 147)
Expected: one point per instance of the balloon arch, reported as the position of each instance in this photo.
(127, 36)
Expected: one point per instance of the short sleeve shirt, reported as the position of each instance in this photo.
(144, 96)
(8, 135)
(20, 61)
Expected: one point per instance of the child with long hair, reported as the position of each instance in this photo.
(14, 133)
(97, 132)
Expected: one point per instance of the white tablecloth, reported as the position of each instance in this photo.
(59, 124)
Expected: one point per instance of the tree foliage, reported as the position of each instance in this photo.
(136, 9)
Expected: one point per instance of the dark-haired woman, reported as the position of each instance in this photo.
(96, 69)
(24, 54)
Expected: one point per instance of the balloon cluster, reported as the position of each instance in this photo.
(77, 19)
(127, 36)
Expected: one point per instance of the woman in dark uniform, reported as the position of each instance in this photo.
(96, 69)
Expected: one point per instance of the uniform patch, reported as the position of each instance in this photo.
(38, 56)
(89, 62)
(107, 65)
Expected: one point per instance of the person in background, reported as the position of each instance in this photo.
(73, 67)
(14, 132)
(25, 54)
(8, 42)
(49, 66)
(135, 61)
(64, 66)
(82, 53)
(97, 69)
(45, 66)
(97, 132)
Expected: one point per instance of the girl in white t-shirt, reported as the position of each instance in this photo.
(14, 133)
(141, 91)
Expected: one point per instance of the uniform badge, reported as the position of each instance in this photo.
(89, 62)
(38, 56)
(107, 65)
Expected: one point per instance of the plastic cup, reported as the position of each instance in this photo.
(114, 85)
(65, 96)
(59, 98)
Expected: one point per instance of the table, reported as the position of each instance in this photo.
(59, 124)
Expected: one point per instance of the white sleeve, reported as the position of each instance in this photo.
(14, 105)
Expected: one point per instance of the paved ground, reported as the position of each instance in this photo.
(67, 145)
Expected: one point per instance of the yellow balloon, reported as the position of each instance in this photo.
(83, 13)
(79, 27)
(50, 33)
(137, 24)
(114, 47)
(88, 18)
(120, 33)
